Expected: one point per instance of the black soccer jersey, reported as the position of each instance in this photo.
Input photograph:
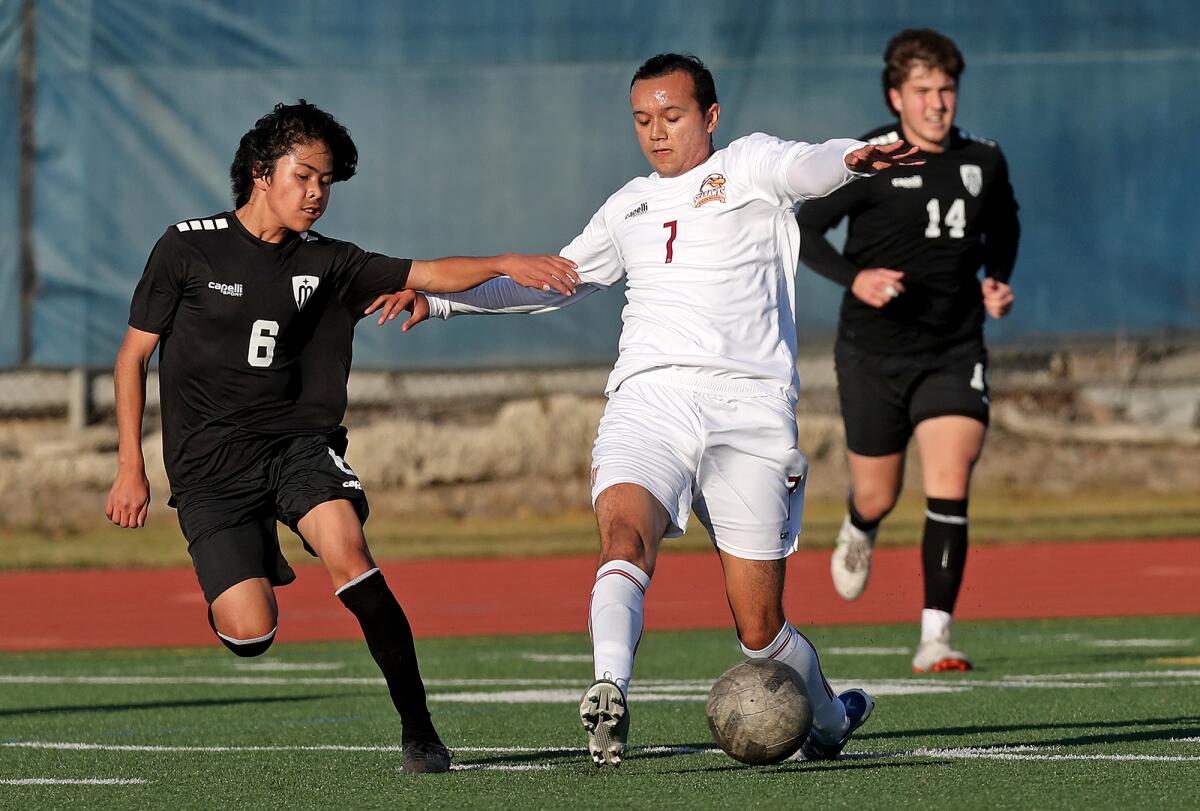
(236, 314)
(938, 223)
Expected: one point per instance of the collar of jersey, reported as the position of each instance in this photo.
(291, 237)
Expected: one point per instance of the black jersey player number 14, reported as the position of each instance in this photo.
(956, 218)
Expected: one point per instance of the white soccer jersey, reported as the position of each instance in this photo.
(710, 258)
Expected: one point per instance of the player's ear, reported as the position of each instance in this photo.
(260, 173)
(894, 98)
(712, 117)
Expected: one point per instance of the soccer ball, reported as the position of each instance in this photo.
(758, 712)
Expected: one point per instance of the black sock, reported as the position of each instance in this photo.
(390, 640)
(856, 520)
(944, 551)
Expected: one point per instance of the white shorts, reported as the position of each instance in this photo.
(724, 449)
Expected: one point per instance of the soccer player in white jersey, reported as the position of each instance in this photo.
(701, 410)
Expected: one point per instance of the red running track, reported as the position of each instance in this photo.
(155, 607)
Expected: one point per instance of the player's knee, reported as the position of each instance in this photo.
(624, 541)
(948, 481)
(349, 568)
(874, 503)
(246, 639)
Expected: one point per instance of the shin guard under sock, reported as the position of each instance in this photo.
(390, 640)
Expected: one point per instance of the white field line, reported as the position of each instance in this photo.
(501, 767)
(1027, 753)
(1139, 643)
(1014, 753)
(867, 651)
(69, 781)
(556, 657)
(537, 690)
(272, 681)
(566, 696)
(285, 667)
(570, 695)
(566, 691)
(1117, 674)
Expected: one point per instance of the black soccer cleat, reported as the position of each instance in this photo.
(426, 757)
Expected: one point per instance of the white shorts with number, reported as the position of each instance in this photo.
(724, 448)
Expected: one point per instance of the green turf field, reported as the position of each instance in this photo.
(1060, 714)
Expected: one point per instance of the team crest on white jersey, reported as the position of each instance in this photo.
(303, 288)
(711, 189)
(972, 178)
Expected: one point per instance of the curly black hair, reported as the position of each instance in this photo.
(277, 132)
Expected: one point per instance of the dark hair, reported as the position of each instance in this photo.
(666, 64)
(923, 46)
(277, 132)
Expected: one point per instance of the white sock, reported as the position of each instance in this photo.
(934, 623)
(793, 649)
(615, 621)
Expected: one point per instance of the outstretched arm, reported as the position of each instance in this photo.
(494, 297)
(820, 169)
(594, 258)
(871, 158)
(455, 273)
(129, 499)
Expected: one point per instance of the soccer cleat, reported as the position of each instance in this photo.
(936, 656)
(851, 562)
(858, 706)
(605, 718)
(426, 757)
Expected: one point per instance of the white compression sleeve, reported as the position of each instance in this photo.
(821, 168)
(503, 295)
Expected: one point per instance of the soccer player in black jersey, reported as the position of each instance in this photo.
(910, 354)
(251, 420)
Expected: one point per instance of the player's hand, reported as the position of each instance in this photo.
(392, 305)
(997, 297)
(544, 273)
(129, 499)
(877, 286)
(872, 158)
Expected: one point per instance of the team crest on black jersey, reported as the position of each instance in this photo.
(303, 288)
(972, 178)
(711, 189)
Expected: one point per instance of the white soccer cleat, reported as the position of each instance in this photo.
(851, 562)
(936, 656)
(605, 718)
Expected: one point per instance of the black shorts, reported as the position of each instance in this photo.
(884, 397)
(231, 530)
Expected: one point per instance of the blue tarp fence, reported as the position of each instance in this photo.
(493, 125)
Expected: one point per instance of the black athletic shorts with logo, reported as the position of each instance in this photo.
(884, 397)
(231, 530)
